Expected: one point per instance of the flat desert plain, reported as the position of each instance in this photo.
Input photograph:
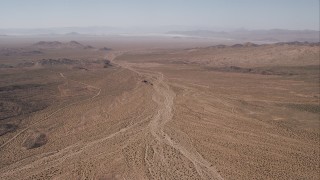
(75, 111)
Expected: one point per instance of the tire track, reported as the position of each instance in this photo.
(55, 112)
(164, 97)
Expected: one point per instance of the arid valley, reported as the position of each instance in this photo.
(86, 109)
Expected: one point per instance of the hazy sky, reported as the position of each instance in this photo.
(250, 14)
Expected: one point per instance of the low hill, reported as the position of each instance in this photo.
(58, 45)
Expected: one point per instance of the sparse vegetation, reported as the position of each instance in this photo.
(242, 111)
(35, 140)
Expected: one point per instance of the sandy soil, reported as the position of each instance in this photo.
(171, 115)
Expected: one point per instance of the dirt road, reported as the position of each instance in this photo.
(163, 96)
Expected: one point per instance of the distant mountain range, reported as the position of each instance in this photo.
(59, 31)
(243, 35)
(274, 35)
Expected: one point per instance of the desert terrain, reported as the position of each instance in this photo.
(74, 109)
